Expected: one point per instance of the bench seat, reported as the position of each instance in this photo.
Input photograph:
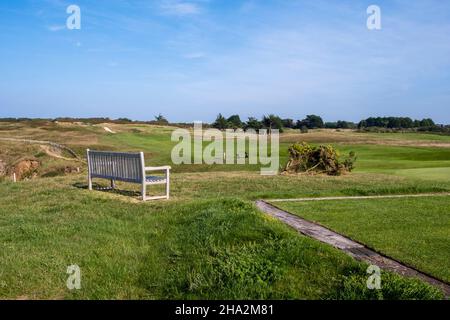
(155, 180)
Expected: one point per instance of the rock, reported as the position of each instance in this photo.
(69, 169)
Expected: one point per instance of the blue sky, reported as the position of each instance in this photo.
(191, 59)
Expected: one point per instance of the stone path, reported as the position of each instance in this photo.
(352, 248)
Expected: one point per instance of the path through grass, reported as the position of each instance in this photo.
(415, 231)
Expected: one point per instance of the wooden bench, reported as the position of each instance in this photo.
(127, 167)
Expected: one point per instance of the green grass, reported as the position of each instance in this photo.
(387, 159)
(411, 136)
(202, 249)
(371, 158)
(413, 230)
(432, 174)
(208, 241)
(373, 154)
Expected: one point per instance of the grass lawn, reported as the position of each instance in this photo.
(415, 231)
(411, 136)
(391, 159)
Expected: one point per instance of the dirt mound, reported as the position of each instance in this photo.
(2, 168)
(51, 151)
(25, 169)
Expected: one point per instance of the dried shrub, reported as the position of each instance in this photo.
(306, 158)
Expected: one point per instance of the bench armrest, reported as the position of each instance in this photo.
(157, 168)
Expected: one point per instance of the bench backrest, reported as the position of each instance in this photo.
(119, 166)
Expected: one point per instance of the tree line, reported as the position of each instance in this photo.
(396, 123)
(269, 122)
(272, 121)
(316, 122)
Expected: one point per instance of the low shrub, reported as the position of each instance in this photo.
(304, 157)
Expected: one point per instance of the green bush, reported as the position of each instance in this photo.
(304, 129)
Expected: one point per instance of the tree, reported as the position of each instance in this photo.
(235, 121)
(304, 129)
(221, 123)
(340, 124)
(123, 120)
(288, 123)
(345, 125)
(362, 124)
(272, 122)
(331, 125)
(311, 122)
(426, 123)
(406, 123)
(253, 123)
(161, 119)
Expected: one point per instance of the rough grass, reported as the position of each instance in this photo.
(413, 230)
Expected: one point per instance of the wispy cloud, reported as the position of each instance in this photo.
(180, 8)
(55, 28)
(195, 55)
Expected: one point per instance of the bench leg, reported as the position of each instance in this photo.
(167, 184)
(113, 184)
(89, 183)
(144, 192)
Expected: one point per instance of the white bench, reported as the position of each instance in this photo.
(127, 167)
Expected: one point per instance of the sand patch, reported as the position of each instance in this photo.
(108, 130)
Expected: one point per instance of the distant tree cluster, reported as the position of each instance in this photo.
(312, 121)
(341, 125)
(268, 122)
(396, 123)
(234, 122)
